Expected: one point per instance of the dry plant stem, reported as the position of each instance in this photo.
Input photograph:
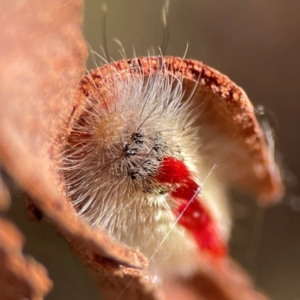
(43, 55)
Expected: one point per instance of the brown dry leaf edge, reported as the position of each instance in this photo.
(43, 61)
(20, 277)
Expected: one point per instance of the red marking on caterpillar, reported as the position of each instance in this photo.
(191, 212)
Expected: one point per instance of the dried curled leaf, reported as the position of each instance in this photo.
(226, 282)
(43, 55)
(229, 114)
(20, 277)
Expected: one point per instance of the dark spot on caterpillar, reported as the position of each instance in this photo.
(138, 138)
(130, 150)
(143, 154)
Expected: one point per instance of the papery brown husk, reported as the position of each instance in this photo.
(42, 58)
(20, 277)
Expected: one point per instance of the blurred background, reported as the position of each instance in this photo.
(257, 44)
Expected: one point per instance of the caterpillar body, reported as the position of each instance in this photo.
(135, 163)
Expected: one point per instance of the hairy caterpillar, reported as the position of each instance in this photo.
(139, 160)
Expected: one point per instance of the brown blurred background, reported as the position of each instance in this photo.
(257, 44)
